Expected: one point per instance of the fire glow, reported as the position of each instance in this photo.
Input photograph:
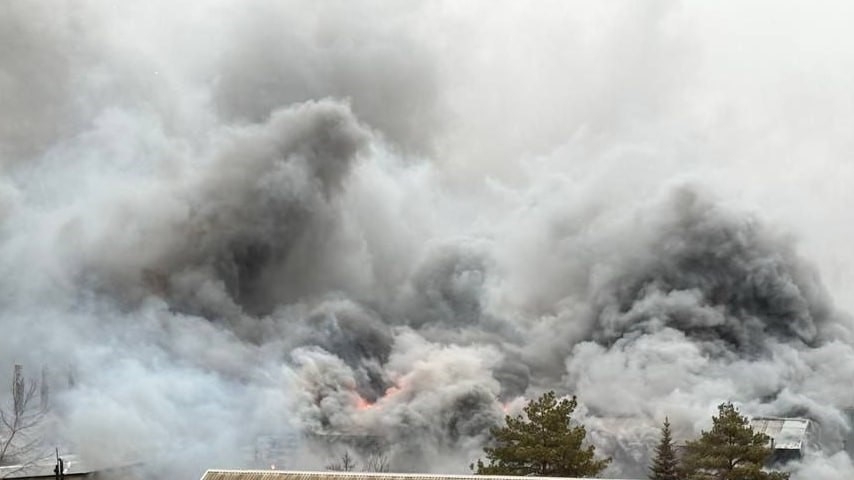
(363, 404)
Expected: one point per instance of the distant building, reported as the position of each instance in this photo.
(364, 444)
(274, 450)
(287, 475)
(280, 450)
(75, 469)
(790, 437)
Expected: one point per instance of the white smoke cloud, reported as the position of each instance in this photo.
(398, 220)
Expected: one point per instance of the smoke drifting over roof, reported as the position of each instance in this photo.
(401, 220)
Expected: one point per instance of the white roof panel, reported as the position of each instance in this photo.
(786, 433)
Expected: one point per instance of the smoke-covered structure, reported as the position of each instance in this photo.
(230, 229)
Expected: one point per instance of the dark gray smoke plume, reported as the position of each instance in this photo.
(723, 281)
(238, 234)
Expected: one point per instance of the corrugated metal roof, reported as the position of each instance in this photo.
(786, 433)
(287, 475)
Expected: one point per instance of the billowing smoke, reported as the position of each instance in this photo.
(380, 227)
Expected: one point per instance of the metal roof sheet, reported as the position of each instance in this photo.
(786, 433)
(290, 475)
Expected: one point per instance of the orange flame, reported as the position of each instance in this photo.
(362, 404)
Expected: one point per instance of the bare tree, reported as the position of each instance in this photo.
(376, 463)
(20, 442)
(344, 464)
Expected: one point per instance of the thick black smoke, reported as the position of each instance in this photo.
(721, 279)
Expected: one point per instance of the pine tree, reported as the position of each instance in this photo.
(731, 450)
(665, 465)
(545, 444)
